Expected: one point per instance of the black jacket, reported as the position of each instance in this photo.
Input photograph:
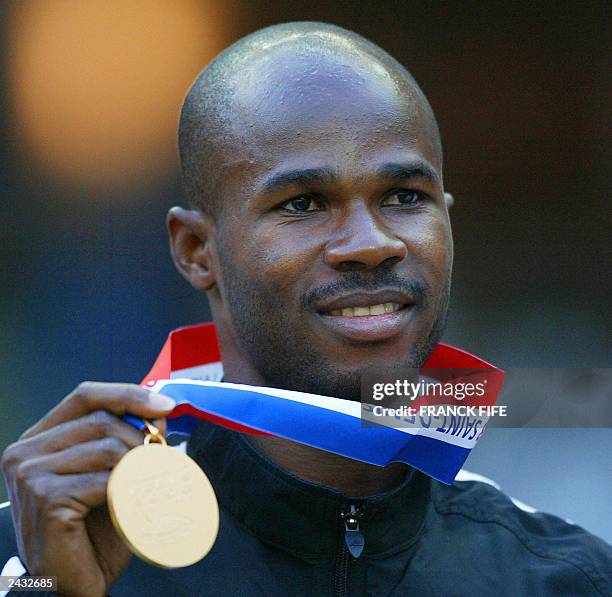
(281, 536)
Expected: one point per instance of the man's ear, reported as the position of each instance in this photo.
(190, 234)
(450, 200)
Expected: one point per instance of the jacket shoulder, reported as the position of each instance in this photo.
(533, 537)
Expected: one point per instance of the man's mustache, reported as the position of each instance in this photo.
(358, 282)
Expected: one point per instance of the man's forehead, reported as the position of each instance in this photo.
(294, 89)
(295, 104)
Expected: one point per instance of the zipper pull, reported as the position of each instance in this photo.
(353, 538)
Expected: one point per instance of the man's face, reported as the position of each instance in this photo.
(334, 243)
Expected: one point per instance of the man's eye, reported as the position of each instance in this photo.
(301, 203)
(403, 198)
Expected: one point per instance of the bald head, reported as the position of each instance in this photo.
(279, 81)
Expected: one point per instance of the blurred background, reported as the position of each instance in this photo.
(90, 93)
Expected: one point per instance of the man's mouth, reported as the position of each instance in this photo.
(368, 316)
(378, 309)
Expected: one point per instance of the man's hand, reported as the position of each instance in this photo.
(57, 474)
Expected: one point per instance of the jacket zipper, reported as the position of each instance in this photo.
(352, 545)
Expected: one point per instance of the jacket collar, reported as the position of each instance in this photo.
(297, 516)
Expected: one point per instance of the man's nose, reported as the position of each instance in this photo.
(360, 242)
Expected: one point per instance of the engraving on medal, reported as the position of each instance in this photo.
(160, 500)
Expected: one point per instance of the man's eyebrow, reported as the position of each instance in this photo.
(310, 176)
(299, 177)
(400, 171)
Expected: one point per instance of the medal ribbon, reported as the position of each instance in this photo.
(323, 422)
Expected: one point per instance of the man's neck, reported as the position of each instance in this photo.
(350, 477)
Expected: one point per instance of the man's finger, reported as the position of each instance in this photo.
(117, 398)
(88, 489)
(95, 425)
(98, 455)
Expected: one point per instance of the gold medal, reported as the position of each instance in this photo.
(162, 504)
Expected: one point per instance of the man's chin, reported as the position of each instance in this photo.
(342, 378)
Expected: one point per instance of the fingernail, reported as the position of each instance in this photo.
(162, 402)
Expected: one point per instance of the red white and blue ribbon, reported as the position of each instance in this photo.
(189, 368)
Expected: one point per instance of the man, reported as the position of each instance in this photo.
(319, 230)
